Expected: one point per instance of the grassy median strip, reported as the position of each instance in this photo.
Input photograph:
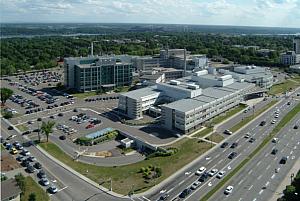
(287, 118)
(215, 137)
(246, 120)
(127, 178)
(220, 118)
(31, 187)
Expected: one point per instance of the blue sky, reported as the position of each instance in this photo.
(281, 13)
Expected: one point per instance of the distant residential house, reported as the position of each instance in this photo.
(10, 190)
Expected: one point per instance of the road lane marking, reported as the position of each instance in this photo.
(250, 172)
(258, 163)
(273, 176)
(217, 156)
(295, 147)
(170, 190)
(267, 183)
(254, 199)
(260, 192)
(258, 178)
(241, 182)
(146, 198)
(181, 183)
(291, 152)
(250, 188)
(220, 161)
(62, 188)
(268, 166)
(275, 158)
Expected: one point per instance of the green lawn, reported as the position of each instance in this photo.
(125, 178)
(32, 187)
(85, 94)
(287, 118)
(2, 147)
(22, 127)
(203, 132)
(215, 137)
(249, 118)
(283, 87)
(220, 118)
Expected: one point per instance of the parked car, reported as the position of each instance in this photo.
(25, 163)
(26, 132)
(164, 196)
(37, 165)
(224, 144)
(247, 135)
(275, 140)
(25, 152)
(31, 158)
(14, 151)
(228, 190)
(30, 169)
(41, 174)
(252, 140)
(296, 127)
(44, 181)
(52, 189)
(20, 158)
(262, 123)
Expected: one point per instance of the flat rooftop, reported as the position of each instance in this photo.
(186, 105)
(143, 92)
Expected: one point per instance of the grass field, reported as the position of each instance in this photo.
(285, 86)
(203, 132)
(215, 137)
(249, 118)
(125, 178)
(22, 127)
(32, 187)
(287, 118)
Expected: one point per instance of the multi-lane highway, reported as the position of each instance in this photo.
(259, 180)
(218, 158)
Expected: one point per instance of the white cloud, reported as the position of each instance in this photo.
(226, 12)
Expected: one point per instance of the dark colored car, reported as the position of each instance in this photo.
(164, 197)
(25, 163)
(283, 160)
(26, 133)
(37, 165)
(234, 145)
(262, 123)
(203, 177)
(232, 155)
(60, 114)
(185, 193)
(274, 151)
(75, 110)
(41, 174)
(10, 128)
(20, 158)
(30, 169)
(224, 144)
(62, 137)
(296, 127)
(252, 140)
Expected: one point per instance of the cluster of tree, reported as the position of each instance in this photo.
(292, 192)
(42, 52)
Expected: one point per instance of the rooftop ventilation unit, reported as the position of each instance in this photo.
(174, 82)
(193, 86)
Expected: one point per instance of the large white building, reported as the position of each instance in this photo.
(187, 102)
(260, 76)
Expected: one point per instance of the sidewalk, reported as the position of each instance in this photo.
(286, 181)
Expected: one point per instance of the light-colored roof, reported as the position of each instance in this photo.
(214, 92)
(9, 188)
(185, 105)
(139, 93)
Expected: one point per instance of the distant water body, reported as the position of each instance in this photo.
(47, 35)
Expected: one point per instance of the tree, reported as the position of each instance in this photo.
(289, 193)
(32, 197)
(5, 94)
(47, 128)
(20, 179)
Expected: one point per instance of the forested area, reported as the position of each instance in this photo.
(43, 52)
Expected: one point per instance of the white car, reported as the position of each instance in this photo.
(247, 135)
(212, 172)
(195, 185)
(276, 115)
(273, 121)
(274, 140)
(200, 171)
(228, 190)
(220, 174)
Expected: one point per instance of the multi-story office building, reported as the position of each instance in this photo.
(97, 73)
(260, 76)
(289, 58)
(145, 63)
(296, 45)
(188, 102)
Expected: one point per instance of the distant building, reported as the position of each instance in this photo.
(145, 63)
(97, 73)
(295, 68)
(290, 58)
(260, 76)
(10, 191)
(296, 45)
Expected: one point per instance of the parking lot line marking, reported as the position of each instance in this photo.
(217, 156)
(170, 190)
(275, 158)
(268, 166)
(241, 181)
(273, 176)
(220, 161)
(146, 198)
(260, 192)
(250, 172)
(181, 182)
(62, 188)
(250, 187)
(291, 152)
(258, 163)
(267, 183)
(258, 178)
